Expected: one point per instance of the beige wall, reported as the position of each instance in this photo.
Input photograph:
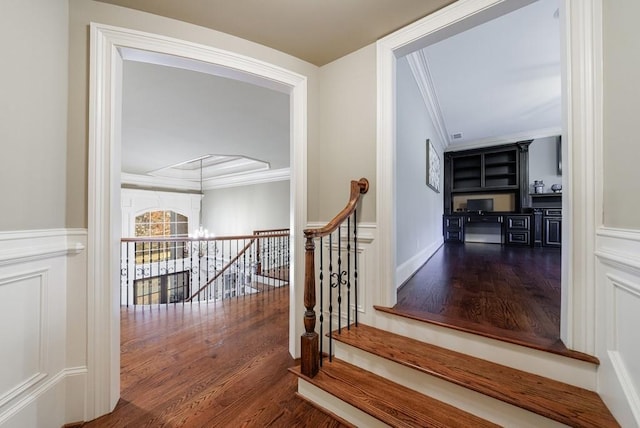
(81, 14)
(33, 113)
(347, 143)
(621, 112)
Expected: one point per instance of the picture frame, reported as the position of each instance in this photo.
(433, 167)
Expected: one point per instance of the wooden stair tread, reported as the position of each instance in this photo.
(573, 406)
(554, 346)
(393, 404)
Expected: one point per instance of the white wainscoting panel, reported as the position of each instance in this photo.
(618, 318)
(34, 307)
(24, 342)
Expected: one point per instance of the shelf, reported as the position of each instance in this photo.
(463, 168)
(506, 163)
(545, 195)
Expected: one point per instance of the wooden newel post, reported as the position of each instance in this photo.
(310, 356)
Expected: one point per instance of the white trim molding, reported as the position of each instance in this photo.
(506, 139)
(411, 266)
(419, 66)
(235, 180)
(105, 69)
(33, 245)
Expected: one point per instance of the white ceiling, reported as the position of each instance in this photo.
(502, 78)
(317, 31)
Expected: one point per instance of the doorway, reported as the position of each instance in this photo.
(108, 46)
(494, 110)
(580, 119)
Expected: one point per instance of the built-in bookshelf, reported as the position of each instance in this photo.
(502, 169)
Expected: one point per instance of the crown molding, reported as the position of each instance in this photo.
(234, 180)
(505, 139)
(421, 73)
(259, 177)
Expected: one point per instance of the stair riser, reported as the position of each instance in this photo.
(563, 369)
(337, 406)
(478, 404)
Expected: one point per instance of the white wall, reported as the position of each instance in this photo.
(241, 210)
(543, 163)
(418, 208)
(33, 112)
(137, 201)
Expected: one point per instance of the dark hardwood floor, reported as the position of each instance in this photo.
(210, 365)
(504, 292)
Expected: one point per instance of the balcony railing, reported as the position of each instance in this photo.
(157, 271)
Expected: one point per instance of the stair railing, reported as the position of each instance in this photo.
(171, 270)
(338, 239)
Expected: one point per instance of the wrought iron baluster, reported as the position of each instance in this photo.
(355, 263)
(349, 273)
(321, 317)
(339, 279)
(330, 295)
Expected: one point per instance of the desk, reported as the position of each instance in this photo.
(514, 229)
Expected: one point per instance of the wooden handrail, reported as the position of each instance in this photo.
(271, 232)
(309, 342)
(185, 238)
(224, 268)
(358, 188)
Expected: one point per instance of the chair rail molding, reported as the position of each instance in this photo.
(109, 46)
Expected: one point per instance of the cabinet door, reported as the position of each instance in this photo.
(552, 233)
(518, 230)
(453, 229)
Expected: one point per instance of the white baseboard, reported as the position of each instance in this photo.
(408, 268)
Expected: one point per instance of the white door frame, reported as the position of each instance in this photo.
(582, 124)
(103, 304)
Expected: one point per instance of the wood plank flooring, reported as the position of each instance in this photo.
(494, 290)
(210, 365)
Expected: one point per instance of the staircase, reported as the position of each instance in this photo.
(402, 372)
(379, 378)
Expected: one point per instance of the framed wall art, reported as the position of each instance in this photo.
(433, 167)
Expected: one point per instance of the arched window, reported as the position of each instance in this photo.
(161, 223)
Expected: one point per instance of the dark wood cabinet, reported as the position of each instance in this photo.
(453, 228)
(517, 229)
(530, 220)
(552, 227)
(497, 169)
